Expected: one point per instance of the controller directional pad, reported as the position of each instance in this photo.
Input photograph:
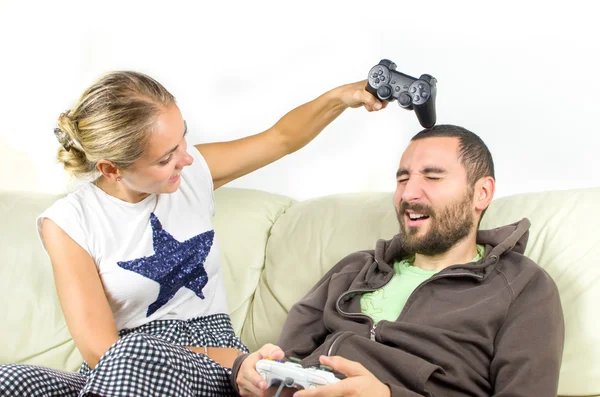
(379, 75)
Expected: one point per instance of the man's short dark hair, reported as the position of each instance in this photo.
(472, 151)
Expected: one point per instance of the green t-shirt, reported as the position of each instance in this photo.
(387, 303)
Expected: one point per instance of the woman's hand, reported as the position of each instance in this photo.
(355, 95)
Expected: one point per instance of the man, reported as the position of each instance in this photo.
(442, 309)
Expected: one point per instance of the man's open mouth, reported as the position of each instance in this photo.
(415, 218)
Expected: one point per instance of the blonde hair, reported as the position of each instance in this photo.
(112, 120)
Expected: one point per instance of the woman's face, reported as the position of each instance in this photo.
(157, 171)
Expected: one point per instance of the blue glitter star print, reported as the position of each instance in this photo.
(174, 264)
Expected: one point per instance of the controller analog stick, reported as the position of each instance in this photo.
(384, 92)
(404, 99)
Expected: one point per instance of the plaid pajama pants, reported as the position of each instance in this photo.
(147, 361)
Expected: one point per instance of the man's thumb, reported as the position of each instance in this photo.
(344, 366)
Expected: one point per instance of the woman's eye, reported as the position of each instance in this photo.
(167, 161)
(402, 180)
(433, 178)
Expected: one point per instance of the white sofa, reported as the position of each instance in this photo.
(276, 248)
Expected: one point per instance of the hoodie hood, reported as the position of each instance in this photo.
(502, 239)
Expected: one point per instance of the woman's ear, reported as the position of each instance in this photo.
(109, 170)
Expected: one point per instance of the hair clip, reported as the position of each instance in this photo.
(64, 139)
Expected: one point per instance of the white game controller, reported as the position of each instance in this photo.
(276, 371)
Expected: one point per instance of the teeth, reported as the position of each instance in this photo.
(416, 216)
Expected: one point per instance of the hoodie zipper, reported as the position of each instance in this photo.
(331, 346)
(339, 309)
(373, 328)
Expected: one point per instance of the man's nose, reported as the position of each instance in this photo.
(412, 190)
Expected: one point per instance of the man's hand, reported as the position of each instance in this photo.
(359, 381)
(249, 382)
(355, 95)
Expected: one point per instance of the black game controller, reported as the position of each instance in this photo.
(413, 94)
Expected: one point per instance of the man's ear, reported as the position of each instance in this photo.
(108, 169)
(484, 193)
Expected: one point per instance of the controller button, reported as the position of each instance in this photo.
(374, 75)
(393, 82)
(380, 72)
(413, 90)
(424, 94)
(417, 98)
(377, 81)
(397, 88)
(382, 78)
(405, 87)
(421, 86)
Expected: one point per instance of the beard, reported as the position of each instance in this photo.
(448, 226)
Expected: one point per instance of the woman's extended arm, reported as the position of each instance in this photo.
(230, 160)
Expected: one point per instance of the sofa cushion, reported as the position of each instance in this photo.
(243, 222)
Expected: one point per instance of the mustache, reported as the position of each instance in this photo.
(419, 208)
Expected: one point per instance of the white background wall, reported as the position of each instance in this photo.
(523, 75)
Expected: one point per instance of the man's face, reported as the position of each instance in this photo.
(433, 200)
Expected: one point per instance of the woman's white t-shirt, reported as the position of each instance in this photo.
(157, 259)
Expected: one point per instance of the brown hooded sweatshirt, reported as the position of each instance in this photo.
(490, 328)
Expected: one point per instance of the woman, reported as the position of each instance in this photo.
(135, 259)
